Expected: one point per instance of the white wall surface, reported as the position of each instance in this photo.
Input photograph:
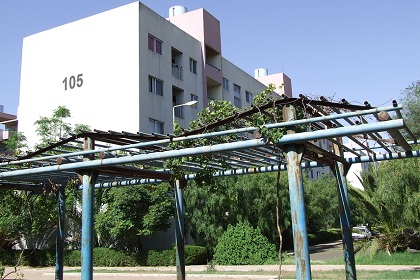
(103, 49)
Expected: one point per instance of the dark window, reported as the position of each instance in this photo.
(155, 85)
(155, 44)
(193, 65)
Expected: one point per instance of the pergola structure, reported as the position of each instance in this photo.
(110, 159)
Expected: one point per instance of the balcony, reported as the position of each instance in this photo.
(179, 112)
(177, 71)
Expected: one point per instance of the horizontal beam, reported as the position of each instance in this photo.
(272, 168)
(240, 145)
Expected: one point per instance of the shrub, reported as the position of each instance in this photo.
(41, 257)
(195, 255)
(243, 245)
(107, 257)
(164, 258)
(72, 258)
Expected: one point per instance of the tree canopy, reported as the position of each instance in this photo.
(411, 111)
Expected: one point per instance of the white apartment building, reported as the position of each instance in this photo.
(125, 69)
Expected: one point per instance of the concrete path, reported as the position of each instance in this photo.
(153, 273)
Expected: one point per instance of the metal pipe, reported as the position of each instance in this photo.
(88, 179)
(59, 247)
(179, 229)
(344, 209)
(286, 139)
(293, 155)
(264, 169)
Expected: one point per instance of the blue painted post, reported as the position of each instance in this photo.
(59, 247)
(344, 209)
(179, 229)
(293, 154)
(88, 181)
(297, 204)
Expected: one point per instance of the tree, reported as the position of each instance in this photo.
(11, 222)
(411, 111)
(392, 196)
(211, 208)
(322, 203)
(53, 128)
(15, 143)
(32, 216)
(131, 212)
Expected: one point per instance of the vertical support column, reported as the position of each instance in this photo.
(59, 247)
(293, 154)
(88, 179)
(344, 209)
(179, 229)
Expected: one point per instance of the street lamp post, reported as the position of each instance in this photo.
(189, 103)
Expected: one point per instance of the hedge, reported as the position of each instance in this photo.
(105, 257)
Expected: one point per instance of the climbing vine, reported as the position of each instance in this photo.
(217, 111)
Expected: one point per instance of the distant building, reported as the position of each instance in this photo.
(356, 169)
(126, 68)
(317, 172)
(8, 125)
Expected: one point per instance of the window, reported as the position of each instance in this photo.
(193, 65)
(237, 89)
(225, 84)
(194, 98)
(155, 85)
(237, 96)
(155, 44)
(155, 126)
(249, 97)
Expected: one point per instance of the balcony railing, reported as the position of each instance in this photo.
(179, 112)
(212, 66)
(177, 71)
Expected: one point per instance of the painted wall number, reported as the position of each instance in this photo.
(73, 81)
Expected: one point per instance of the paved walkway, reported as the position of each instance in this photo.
(153, 273)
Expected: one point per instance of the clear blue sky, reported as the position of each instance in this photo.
(357, 50)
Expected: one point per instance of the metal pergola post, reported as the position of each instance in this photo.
(293, 155)
(340, 172)
(59, 249)
(179, 229)
(88, 181)
(344, 209)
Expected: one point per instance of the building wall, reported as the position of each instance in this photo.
(103, 51)
(356, 169)
(282, 83)
(160, 66)
(237, 76)
(109, 53)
